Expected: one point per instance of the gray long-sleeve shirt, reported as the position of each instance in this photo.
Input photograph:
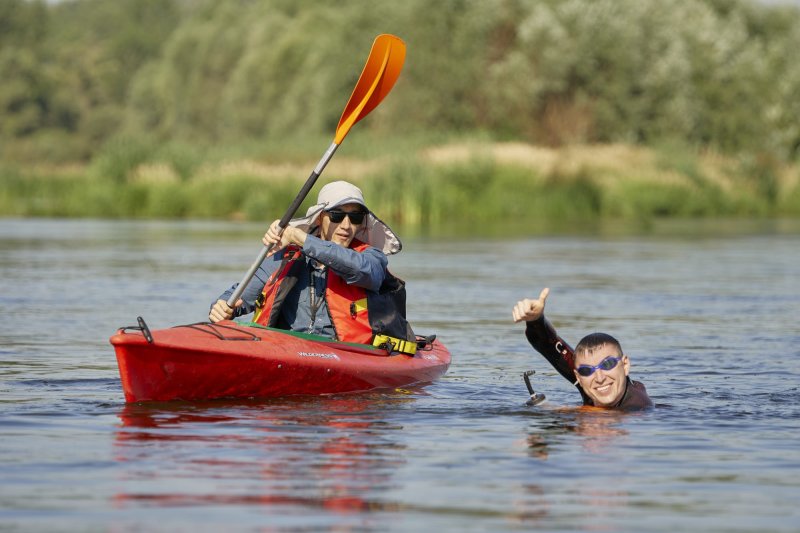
(365, 269)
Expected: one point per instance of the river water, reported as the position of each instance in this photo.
(708, 316)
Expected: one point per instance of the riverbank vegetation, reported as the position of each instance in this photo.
(471, 183)
(506, 109)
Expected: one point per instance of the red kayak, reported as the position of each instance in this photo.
(236, 360)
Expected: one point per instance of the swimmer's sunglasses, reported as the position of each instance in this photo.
(336, 216)
(609, 363)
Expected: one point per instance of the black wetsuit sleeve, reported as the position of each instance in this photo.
(543, 337)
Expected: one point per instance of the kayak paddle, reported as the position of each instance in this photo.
(377, 78)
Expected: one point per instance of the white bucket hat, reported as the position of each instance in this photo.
(373, 231)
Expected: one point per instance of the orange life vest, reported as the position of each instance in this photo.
(357, 315)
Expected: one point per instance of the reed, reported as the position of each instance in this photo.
(475, 186)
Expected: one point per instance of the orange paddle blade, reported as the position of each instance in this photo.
(383, 67)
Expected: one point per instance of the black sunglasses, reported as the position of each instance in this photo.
(336, 216)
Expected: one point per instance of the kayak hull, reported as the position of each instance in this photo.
(231, 360)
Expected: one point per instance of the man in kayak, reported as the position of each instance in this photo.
(597, 366)
(328, 276)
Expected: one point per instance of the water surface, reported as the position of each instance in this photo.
(708, 317)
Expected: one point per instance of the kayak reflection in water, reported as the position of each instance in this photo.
(597, 366)
(328, 276)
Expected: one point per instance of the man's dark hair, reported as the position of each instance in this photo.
(592, 341)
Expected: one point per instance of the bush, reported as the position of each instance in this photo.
(120, 157)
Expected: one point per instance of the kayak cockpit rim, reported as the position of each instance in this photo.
(321, 339)
(235, 331)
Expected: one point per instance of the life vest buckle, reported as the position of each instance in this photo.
(358, 306)
(393, 344)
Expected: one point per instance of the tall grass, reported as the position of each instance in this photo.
(474, 192)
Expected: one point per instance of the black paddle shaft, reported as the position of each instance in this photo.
(309, 184)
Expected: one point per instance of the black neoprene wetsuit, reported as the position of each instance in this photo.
(543, 337)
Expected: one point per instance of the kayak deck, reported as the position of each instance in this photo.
(232, 360)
